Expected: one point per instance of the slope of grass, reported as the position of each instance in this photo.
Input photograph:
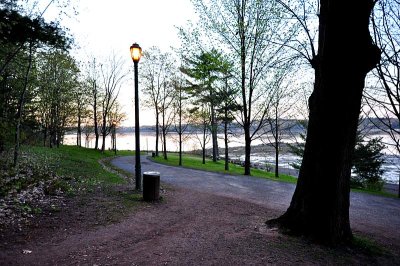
(195, 162)
(77, 163)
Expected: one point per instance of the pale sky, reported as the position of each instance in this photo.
(103, 27)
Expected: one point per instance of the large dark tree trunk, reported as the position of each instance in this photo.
(320, 204)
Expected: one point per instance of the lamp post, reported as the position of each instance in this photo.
(136, 53)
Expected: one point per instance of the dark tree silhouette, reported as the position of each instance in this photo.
(320, 204)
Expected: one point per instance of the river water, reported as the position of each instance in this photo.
(126, 141)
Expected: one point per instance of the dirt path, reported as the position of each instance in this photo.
(204, 219)
(368, 213)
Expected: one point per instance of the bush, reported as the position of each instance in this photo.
(367, 164)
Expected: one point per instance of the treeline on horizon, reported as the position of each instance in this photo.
(294, 126)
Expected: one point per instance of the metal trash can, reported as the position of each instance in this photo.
(151, 186)
(153, 154)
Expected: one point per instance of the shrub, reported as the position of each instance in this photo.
(367, 164)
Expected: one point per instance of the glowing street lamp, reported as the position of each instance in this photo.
(136, 53)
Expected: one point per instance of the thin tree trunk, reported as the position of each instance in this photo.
(180, 126)
(226, 113)
(204, 143)
(21, 104)
(226, 140)
(103, 131)
(157, 130)
(246, 115)
(214, 133)
(320, 204)
(180, 148)
(96, 129)
(276, 137)
(276, 158)
(164, 133)
(165, 145)
(79, 131)
(247, 150)
(44, 135)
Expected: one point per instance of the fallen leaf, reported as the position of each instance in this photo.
(26, 251)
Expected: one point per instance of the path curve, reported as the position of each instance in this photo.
(205, 219)
(368, 213)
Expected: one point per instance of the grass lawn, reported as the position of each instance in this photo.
(195, 162)
(77, 162)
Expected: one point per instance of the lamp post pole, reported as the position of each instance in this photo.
(136, 53)
(138, 167)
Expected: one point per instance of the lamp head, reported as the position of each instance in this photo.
(136, 52)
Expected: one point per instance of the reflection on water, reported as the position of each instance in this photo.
(126, 141)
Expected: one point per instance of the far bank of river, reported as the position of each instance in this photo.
(261, 152)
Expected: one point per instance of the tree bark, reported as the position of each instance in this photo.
(165, 144)
(96, 129)
(276, 137)
(226, 140)
(276, 158)
(247, 150)
(157, 129)
(204, 143)
(320, 204)
(79, 131)
(214, 130)
(103, 135)
(180, 126)
(44, 135)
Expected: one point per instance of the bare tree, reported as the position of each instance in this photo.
(280, 95)
(200, 120)
(383, 97)
(156, 72)
(167, 113)
(93, 80)
(180, 100)
(228, 108)
(81, 99)
(245, 28)
(112, 76)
